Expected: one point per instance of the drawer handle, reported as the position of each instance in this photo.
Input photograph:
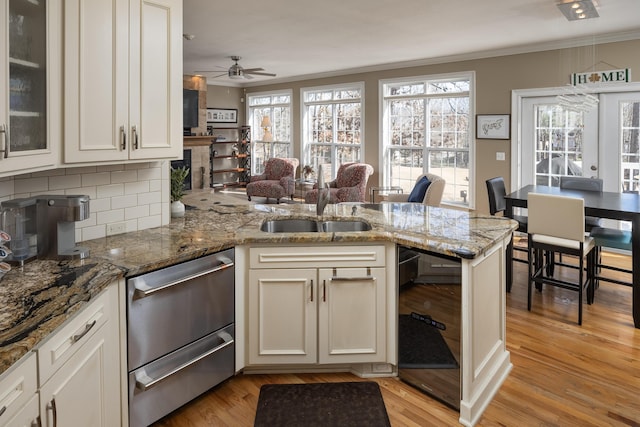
(144, 382)
(366, 278)
(87, 328)
(144, 291)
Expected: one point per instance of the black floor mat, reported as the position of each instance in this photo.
(420, 345)
(347, 404)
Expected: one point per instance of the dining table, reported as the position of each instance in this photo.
(606, 204)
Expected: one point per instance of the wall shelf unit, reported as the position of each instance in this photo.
(230, 156)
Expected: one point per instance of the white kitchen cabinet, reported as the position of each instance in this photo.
(123, 80)
(30, 85)
(18, 387)
(28, 416)
(79, 368)
(315, 314)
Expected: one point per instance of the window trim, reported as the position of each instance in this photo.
(248, 106)
(304, 149)
(382, 152)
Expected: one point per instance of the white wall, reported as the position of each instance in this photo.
(136, 195)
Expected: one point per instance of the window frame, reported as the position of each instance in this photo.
(384, 131)
(255, 166)
(305, 145)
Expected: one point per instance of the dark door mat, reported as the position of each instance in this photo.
(421, 346)
(321, 404)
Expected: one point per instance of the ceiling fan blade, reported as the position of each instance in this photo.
(247, 76)
(251, 70)
(261, 74)
(219, 75)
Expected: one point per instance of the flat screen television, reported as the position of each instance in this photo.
(189, 109)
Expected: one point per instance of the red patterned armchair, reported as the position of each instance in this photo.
(277, 181)
(349, 186)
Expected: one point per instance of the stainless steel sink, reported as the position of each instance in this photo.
(337, 226)
(310, 225)
(289, 226)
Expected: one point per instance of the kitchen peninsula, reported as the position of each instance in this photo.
(479, 241)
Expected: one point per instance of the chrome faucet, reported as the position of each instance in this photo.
(323, 193)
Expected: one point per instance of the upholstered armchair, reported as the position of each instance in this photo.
(277, 181)
(349, 186)
(430, 196)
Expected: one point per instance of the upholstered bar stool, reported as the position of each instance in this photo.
(556, 224)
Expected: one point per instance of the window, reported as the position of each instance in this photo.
(426, 127)
(332, 126)
(277, 107)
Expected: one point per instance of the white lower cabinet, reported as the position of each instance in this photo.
(317, 314)
(18, 392)
(79, 368)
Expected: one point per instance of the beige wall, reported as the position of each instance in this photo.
(495, 79)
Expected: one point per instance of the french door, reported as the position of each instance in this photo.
(601, 143)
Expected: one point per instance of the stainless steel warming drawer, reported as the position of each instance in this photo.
(180, 334)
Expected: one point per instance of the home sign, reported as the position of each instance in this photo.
(609, 76)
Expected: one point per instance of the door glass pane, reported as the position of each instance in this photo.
(27, 76)
(630, 122)
(558, 143)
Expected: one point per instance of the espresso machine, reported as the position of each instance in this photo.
(56, 217)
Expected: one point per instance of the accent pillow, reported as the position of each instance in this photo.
(418, 192)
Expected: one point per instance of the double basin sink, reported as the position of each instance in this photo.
(313, 226)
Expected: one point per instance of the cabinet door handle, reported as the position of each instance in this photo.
(324, 291)
(123, 138)
(311, 290)
(86, 330)
(134, 133)
(51, 406)
(4, 408)
(37, 422)
(5, 150)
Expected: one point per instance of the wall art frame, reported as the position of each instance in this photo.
(493, 126)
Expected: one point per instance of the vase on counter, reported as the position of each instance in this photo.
(177, 209)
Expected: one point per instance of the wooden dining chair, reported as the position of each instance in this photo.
(556, 224)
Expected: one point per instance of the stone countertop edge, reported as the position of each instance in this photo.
(40, 297)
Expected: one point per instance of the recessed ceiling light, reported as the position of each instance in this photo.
(574, 10)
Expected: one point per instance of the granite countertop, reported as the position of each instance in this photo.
(42, 295)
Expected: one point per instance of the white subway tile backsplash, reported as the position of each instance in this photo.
(133, 193)
(97, 178)
(121, 202)
(108, 217)
(136, 187)
(136, 212)
(64, 181)
(124, 176)
(112, 190)
(32, 185)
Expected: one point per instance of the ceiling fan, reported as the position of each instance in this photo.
(238, 72)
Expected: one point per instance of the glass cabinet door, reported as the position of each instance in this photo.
(26, 128)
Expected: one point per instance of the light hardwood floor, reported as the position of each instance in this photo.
(563, 374)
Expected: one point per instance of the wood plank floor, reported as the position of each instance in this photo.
(563, 374)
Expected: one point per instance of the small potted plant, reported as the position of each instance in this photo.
(177, 190)
(307, 172)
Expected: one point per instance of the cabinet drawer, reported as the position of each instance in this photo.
(63, 343)
(27, 416)
(17, 387)
(317, 256)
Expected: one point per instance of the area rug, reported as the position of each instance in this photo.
(347, 404)
(420, 345)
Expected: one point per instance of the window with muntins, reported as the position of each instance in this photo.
(332, 126)
(426, 127)
(276, 106)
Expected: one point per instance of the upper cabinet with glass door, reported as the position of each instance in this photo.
(30, 121)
